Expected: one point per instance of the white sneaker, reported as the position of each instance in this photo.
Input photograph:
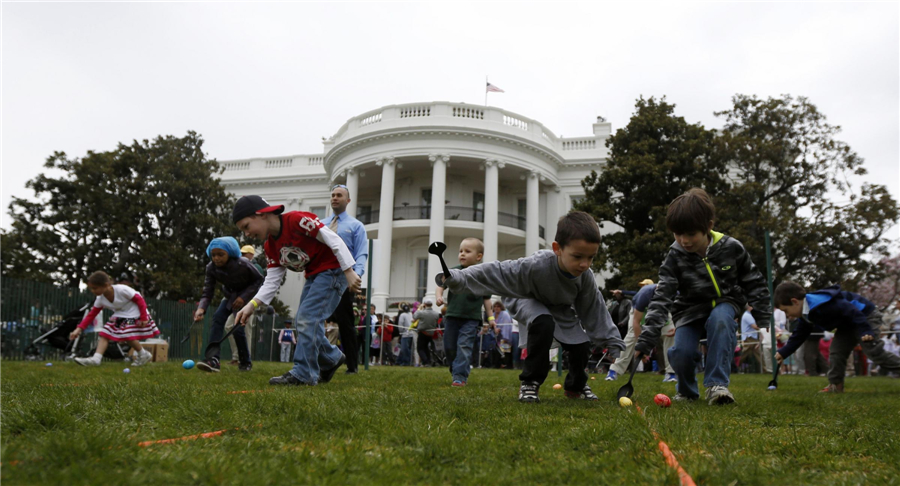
(719, 395)
(87, 361)
(142, 358)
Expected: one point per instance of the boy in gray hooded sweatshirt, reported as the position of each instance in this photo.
(552, 295)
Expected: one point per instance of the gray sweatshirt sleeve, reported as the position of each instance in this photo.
(595, 317)
(508, 278)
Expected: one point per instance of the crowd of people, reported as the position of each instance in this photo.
(688, 321)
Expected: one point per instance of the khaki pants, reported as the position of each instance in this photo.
(248, 329)
(751, 350)
(668, 342)
(624, 361)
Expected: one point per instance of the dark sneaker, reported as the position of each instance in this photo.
(210, 365)
(286, 379)
(719, 395)
(528, 392)
(326, 375)
(585, 394)
(351, 372)
(833, 388)
(683, 398)
(245, 367)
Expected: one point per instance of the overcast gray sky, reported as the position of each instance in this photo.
(272, 79)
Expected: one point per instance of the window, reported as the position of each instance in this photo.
(523, 208)
(576, 200)
(478, 207)
(426, 204)
(318, 211)
(422, 279)
(364, 214)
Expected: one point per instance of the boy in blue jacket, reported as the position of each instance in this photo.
(240, 281)
(853, 319)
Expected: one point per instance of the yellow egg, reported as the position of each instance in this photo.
(624, 402)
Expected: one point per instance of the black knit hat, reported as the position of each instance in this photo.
(250, 205)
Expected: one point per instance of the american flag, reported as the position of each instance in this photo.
(492, 88)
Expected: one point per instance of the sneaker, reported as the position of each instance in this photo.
(611, 376)
(528, 392)
(245, 367)
(351, 372)
(87, 361)
(670, 378)
(719, 395)
(831, 388)
(585, 394)
(211, 365)
(286, 379)
(683, 398)
(143, 358)
(326, 375)
(458, 383)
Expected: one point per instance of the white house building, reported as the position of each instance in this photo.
(437, 171)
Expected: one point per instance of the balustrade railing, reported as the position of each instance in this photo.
(451, 213)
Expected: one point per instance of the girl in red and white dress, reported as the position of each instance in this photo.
(129, 322)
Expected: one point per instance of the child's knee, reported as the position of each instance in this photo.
(682, 355)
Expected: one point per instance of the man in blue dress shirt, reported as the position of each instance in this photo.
(354, 235)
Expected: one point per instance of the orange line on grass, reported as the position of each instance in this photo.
(204, 435)
(248, 391)
(670, 458)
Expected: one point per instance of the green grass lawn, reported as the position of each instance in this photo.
(71, 425)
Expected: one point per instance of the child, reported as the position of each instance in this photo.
(298, 241)
(853, 319)
(705, 280)
(287, 339)
(463, 318)
(240, 281)
(129, 322)
(551, 294)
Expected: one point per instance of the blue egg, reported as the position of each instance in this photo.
(188, 364)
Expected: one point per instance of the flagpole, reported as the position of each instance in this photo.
(485, 90)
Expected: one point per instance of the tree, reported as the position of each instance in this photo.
(785, 168)
(149, 209)
(883, 288)
(652, 160)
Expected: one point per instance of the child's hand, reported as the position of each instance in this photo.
(353, 280)
(74, 334)
(199, 314)
(439, 301)
(238, 303)
(244, 314)
(142, 322)
(867, 338)
(779, 358)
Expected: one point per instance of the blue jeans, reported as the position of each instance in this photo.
(321, 296)
(721, 339)
(459, 339)
(217, 330)
(405, 358)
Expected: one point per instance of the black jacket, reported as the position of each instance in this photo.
(239, 277)
(691, 286)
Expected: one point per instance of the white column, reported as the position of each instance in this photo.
(382, 289)
(552, 214)
(491, 206)
(439, 164)
(532, 199)
(352, 188)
